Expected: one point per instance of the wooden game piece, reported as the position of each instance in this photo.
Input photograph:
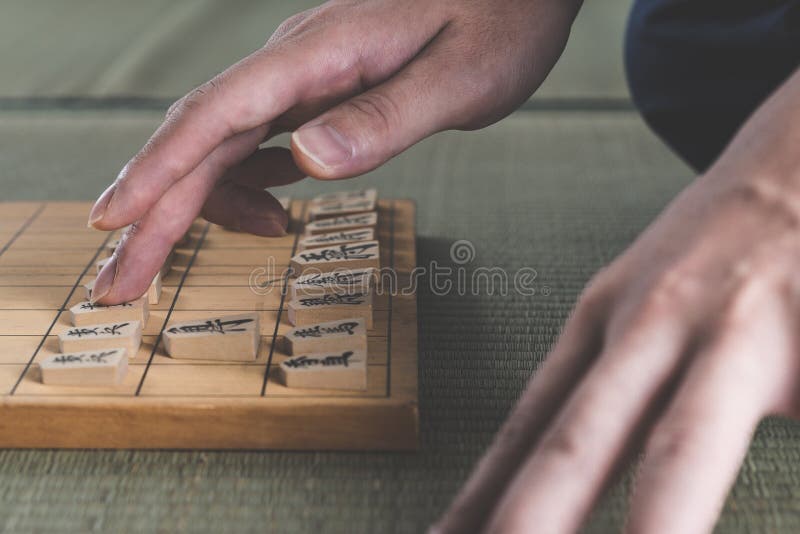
(285, 202)
(352, 256)
(338, 209)
(85, 312)
(336, 238)
(88, 287)
(347, 222)
(345, 334)
(197, 404)
(339, 281)
(154, 290)
(304, 311)
(225, 338)
(341, 196)
(126, 334)
(92, 368)
(326, 370)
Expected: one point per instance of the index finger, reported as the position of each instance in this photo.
(250, 93)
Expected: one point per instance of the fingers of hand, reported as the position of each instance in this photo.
(343, 50)
(239, 200)
(572, 355)
(249, 94)
(142, 252)
(241, 208)
(695, 450)
(430, 94)
(560, 481)
(267, 167)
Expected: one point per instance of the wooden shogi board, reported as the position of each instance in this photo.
(46, 253)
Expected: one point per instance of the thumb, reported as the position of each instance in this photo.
(367, 130)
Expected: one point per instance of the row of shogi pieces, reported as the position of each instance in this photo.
(330, 308)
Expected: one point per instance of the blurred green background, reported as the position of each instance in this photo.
(563, 185)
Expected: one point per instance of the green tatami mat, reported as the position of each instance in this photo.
(561, 193)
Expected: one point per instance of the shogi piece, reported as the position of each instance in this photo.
(305, 311)
(126, 334)
(326, 370)
(91, 368)
(337, 209)
(154, 291)
(232, 338)
(324, 260)
(88, 287)
(346, 334)
(348, 222)
(337, 282)
(336, 238)
(285, 202)
(85, 312)
(342, 196)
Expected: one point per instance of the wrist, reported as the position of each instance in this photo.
(767, 148)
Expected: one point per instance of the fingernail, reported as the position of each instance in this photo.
(323, 144)
(262, 226)
(99, 208)
(104, 280)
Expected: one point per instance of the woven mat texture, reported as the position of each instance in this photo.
(561, 193)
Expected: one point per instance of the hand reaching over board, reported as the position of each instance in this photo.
(357, 82)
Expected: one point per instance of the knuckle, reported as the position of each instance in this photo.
(566, 447)
(514, 433)
(671, 288)
(291, 25)
(745, 299)
(310, 19)
(174, 106)
(376, 108)
(288, 24)
(202, 94)
(669, 442)
(194, 98)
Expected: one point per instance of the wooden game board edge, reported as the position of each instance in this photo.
(329, 423)
(204, 423)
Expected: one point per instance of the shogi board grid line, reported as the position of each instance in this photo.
(26, 223)
(171, 307)
(62, 309)
(284, 291)
(384, 417)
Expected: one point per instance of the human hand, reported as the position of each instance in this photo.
(358, 82)
(680, 347)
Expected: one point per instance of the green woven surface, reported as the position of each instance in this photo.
(562, 193)
(559, 192)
